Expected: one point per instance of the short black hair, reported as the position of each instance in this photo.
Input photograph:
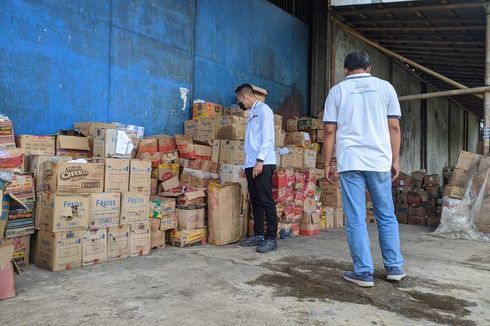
(244, 87)
(357, 60)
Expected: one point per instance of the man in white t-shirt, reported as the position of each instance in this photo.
(362, 116)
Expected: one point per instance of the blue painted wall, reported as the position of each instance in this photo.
(126, 60)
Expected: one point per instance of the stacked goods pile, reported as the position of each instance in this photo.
(417, 199)
(466, 188)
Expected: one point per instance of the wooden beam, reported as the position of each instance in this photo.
(432, 42)
(444, 54)
(413, 21)
(421, 29)
(350, 12)
(454, 92)
(390, 53)
(465, 49)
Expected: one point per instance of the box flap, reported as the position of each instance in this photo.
(73, 142)
(170, 184)
(6, 253)
(191, 195)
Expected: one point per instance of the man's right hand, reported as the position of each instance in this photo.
(328, 173)
(395, 170)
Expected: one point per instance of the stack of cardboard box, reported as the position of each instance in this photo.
(300, 154)
(417, 198)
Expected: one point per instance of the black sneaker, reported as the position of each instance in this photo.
(266, 246)
(252, 241)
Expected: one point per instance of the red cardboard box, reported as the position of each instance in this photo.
(280, 179)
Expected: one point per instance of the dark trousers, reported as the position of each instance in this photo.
(260, 190)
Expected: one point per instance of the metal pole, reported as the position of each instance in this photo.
(453, 92)
(400, 57)
(486, 101)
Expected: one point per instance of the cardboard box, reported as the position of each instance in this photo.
(232, 173)
(74, 177)
(417, 210)
(89, 128)
(232, 152)
(298, 138)
(21, 249)
(114, 143)
(161, 206)
(64, 212)
(189, 218)
(278, 120)
(482, 220)
(215, 150)
(184, 145)
(338, 217)
(37, 165)
(168, 171)
(18, 206)
(310, 224)
(58, 251)
(134, 207)
(307, 124)
(280, 178)
(118, 242)
(459, 178)
(157, 236)
(279, 138)
(139, 239)
(36, 145)
(139, 176)
(73, 146)
(206, 109)
(7, 138)
(168, 222)
(201, 129)
(104, 210)
(331, 196)
(294, 157)
(147, 145)
(417, 220)
(116, 175)
(468, 161)
(231, 128)
(94, 247)
(309, 158)
(292, 125)
(432, 180)
(224, 220)
(454, 192)
(236, 111)
(184, 238)
(401, 214)
(165, 143)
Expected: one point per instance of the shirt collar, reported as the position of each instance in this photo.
(365, 74)
(255, 104)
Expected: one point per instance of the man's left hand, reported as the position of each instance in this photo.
(257, 169)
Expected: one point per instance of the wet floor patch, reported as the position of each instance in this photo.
(321, 280)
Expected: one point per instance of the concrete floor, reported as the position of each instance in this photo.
(299, 284)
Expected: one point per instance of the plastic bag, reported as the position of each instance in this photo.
(458, 216)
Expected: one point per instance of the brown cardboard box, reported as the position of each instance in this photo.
(37, 165)
(184, 145)
(165, 143)
(294, 159)
(118, 242)
(184, 238)
(114, 143)
(231, 128)
(89, 128)
(190, 218)
(417, 220)
(215, 150)
(310, 224)
(74, 177)
(278, 120)
(171, 157)
(232, 152)
(292, 124)
(161, 206)
(168, 222)
(134, 207)
(76, 147)
(401, 214)
(104, 210)
(331, 196)
(157, 236)
(18, 203)
(484, 163)
(147, 145)
(298, 138)
(36, 145)
(307, 124)
(309, 158)
(168, 171)
(21, 249)
(454, 192)
(468, 161)
(58, 251)
(459, 178)
(432, 180)
(338, 217)
(64, 211)
(94, 247)
(279, 138)
(224, 221)
(206, 109)
(139, 239)
(139, 176)
(116, 175)
(417, 210)
(201, 129)
(482, 221)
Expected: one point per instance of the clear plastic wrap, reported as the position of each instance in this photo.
(458, 216)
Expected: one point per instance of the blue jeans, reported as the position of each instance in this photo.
(353, 184)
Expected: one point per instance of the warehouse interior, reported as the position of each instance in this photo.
(144, 63)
